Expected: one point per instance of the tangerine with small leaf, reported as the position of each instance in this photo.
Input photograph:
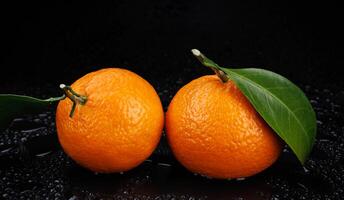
(111, 122)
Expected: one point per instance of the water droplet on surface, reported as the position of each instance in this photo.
(73, 198)
(324, 140)
(164, 164)
(42, 115)
(305, 170)
(205, 176)
(43, 154)
(6, 150)
(32, 130)
(37, 120)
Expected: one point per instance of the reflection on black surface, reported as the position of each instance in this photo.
(156, 179)
(160, 176)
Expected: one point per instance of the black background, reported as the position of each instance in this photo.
(43, 45)
(63, 41)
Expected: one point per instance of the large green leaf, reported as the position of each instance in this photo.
(12, 106)
(280, 103)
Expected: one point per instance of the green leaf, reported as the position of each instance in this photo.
(12, 106)
(280, 103)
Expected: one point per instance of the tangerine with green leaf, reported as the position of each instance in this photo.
(214, 130)
(111, 122)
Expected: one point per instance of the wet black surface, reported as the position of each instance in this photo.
(48, 45)
(34, 166)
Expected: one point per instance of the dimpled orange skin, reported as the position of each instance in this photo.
(119, 126)
(213, 130)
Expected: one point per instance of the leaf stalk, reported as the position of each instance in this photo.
(211, 64)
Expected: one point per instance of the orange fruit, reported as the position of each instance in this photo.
(213, 130)
(117, 128)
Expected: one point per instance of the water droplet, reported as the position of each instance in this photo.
(42, 115)
(205, 176)
(73, 198)
(32, 130)
(6, 150)
(324, 140)
(305, 169)
(43, 154)
(164, 164)
(302, 186)
(37, 120)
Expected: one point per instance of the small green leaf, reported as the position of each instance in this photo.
(12, 106)
(280, 103)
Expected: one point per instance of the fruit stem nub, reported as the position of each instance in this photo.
(211, 64)
(74, 97)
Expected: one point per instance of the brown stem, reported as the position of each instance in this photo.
(74, 97)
